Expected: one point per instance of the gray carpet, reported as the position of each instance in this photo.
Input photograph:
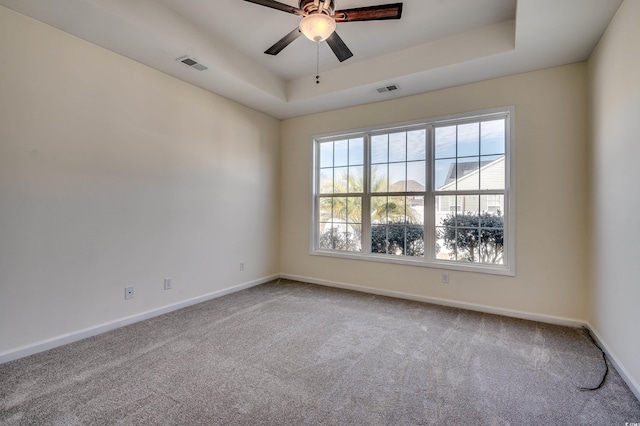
(288, 353)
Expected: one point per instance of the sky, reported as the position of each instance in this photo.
(401, 156)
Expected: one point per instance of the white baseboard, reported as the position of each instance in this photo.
(445, 302)
(633, 385)
(103, 328)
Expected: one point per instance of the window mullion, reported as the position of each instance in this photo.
(366, 197)
(315, 244)
(429, 198)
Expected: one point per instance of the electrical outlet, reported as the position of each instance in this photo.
(242, 266)
(168, 283)
(445, 278)
(128, 293)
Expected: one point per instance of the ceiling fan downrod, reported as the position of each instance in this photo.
(317, 6)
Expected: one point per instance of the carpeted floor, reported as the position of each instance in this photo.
(288, 353)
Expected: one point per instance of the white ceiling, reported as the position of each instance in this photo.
(436, 44)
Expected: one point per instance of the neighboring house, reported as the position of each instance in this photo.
(414, 202)
(471, 176)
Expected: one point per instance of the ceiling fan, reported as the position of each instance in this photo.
(319, 19)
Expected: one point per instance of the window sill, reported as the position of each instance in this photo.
(420, 262)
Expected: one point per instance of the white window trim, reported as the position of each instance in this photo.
(428, 261)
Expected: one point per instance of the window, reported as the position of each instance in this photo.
(341, 172)
(436, 193)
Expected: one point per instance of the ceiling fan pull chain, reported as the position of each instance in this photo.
(317, 63)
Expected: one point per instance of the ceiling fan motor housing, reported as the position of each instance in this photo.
(324, 6)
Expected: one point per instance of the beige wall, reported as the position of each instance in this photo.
(113, 174)
(614, 80)
(551, 190)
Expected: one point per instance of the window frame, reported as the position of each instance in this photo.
(430, 194)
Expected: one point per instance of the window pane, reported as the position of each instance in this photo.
(468, 204)
(341, 153)
(415, 240)
(340, 180)
(326, 236)
(356, 179)
(457, 236)
(339, 210)
(339, 238)
(336, 237)
(379, 239)
(326, 209)
(446, 208)
(396, 210)
(356, 152)
(415, 209)
(379, 181)
(493, 137)
(379, 149)
(491, 247)
(326, 181)
(397, 147)
(417, 145)
(326, 154)
(354, 238)
(445, 175)
(396, 240)
(416, 176)
(466, 244)
(468, 139)
(378, 209)
(397, 177)
(492, 175)
(493, 206)
(468, 174)
(467, 218)
(443, 251)
(354, 210)
(445, 141)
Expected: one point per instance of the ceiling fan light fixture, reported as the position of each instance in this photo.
(317, 27)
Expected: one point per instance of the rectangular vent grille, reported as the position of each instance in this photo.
(192, 63)
(389, 88)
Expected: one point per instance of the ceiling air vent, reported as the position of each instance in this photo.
(192, 63)
(389, 88)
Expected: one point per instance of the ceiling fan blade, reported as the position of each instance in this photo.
(370, 13)
(278, 6)
(340, 49)
(284, 42)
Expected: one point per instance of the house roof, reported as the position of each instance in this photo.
(471, 170)
(463, 169)
(406, 185)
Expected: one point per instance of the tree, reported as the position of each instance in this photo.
(385, 210)
(473, 237)
(336, 240)
(400, 237)
(350, 208)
